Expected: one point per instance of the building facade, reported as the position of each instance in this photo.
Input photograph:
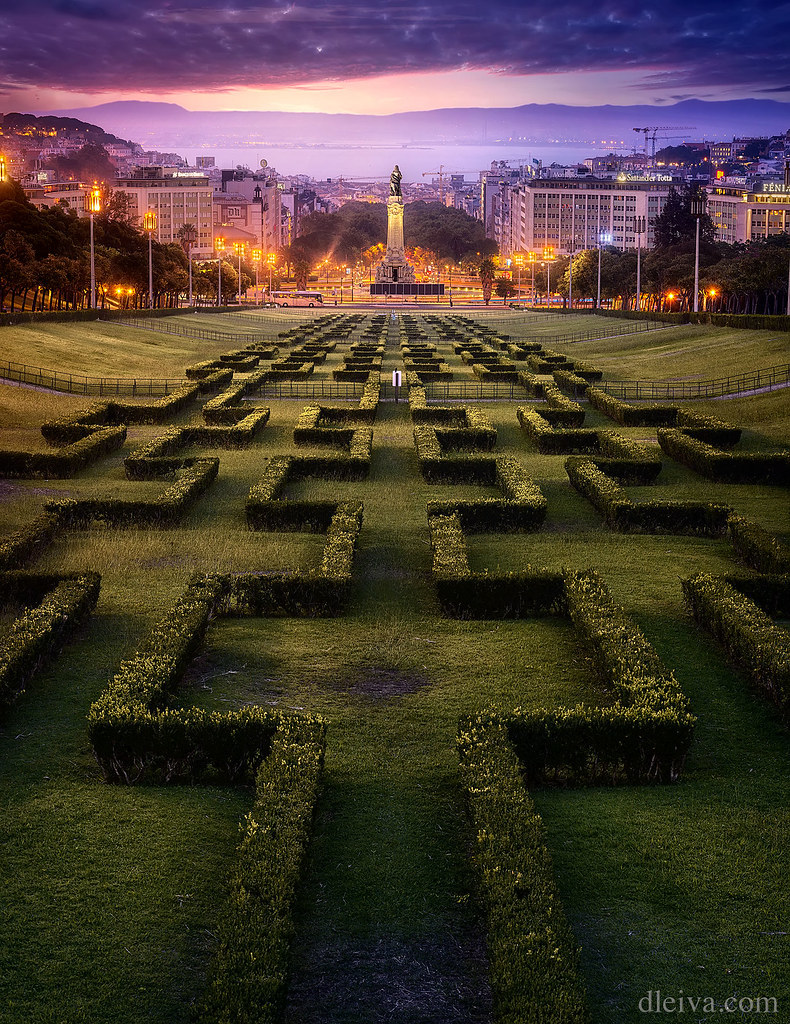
(177, 199)
(741, 214)
(569, 215)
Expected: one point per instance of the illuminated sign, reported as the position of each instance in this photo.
(776, 187)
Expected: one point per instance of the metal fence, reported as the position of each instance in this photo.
(460, 391)
(350, 390)
(738, 384)
(79, 384)
(167, 326)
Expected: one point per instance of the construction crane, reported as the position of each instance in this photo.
(441, 174)
(652, 133)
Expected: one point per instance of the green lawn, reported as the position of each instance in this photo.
(111, 894)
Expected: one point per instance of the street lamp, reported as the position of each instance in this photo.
(189, 236)
(239, 248)
(94, 206)
(219, 246)
(603, 237)
(149, 225)
(271, 259)
(639, 227)
(697, 210)
(571, 252)
(518, 259)
(256, 262)
(532, 259)
(2, 169)
(548, 256)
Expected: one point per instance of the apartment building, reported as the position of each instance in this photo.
(177, 199)
(742, 213)
(573, 214)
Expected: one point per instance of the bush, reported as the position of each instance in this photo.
(724, 466)
(533, 957)
(549, 441)
(248, 975)
(35, 637)
(29, 542)
(522, 508)
(66, 461)
(632, 415)
(746, 633)
(706, 519)
(757, 547)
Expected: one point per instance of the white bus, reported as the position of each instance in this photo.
(297, 298)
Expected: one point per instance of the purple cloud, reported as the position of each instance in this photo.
(97, 45)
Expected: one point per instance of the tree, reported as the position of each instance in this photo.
(676, 223)
(487, 273)
(504, 288)
(16, 258)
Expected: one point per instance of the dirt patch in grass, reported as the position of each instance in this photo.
(440, 979)
(378, 682)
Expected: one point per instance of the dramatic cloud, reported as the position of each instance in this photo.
(93, 46)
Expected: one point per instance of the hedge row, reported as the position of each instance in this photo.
(164, 510)
(746, 632)
(533, 957)
(757, 547)
(35, 636)
(145, 461)
(248, 975)
(740, 321)
(26, 544)
(476, 433)
(66, 461)
(632, 415)
(725, 466)
(551, 441)
(310, 430)
(266, 509)
(696, 518)
(438, 468)
(522, 508)
(467, 595)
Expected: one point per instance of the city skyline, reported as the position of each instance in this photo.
(323, 56)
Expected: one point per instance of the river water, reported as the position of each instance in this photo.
(414, 160)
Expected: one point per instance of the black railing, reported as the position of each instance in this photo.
(459, 391)
(79, 384)
(314, 388)
(737, 384)
(181, 330)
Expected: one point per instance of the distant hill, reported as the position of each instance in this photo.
(17, 123)
(169, 126)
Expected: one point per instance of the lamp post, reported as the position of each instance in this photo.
(2, 169)
(532, 258)
(219, 247)
(270, 259)
(240, 248)
(697, 210)
(256, 262)
(94, 206)
(518, 259)
(639, 227)
(571, 252)
(189, 236)
(548, 257)
(149, 225)
(603, 236)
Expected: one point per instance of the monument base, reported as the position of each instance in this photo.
(406, 288)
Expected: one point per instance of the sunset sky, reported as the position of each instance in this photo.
(321, 55)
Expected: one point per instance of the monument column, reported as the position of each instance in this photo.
(394, 269)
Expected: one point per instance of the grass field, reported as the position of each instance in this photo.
(111, 894)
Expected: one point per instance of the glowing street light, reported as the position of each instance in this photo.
(548, 257)
(697, 210)
(219, 247)
(256, 262)
(604, 239)
(240, 249)
(2, 169)
(149, 225)
(94, 206)
(518, 259)
(271, 259)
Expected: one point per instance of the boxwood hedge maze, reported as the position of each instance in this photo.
(326, 702)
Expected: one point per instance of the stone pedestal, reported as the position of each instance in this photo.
(394, 269)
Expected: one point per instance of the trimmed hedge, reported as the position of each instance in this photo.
(66, 461)
(632, 415)
(437, 468)
(705, 519)
(36, 636)
(265, 509)
(746, 632)
(757, 547)
(164, 510)
(248, 975)
(28, 543)
(533, 956)
(549, 441)
(522, 508)
(725, 466)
